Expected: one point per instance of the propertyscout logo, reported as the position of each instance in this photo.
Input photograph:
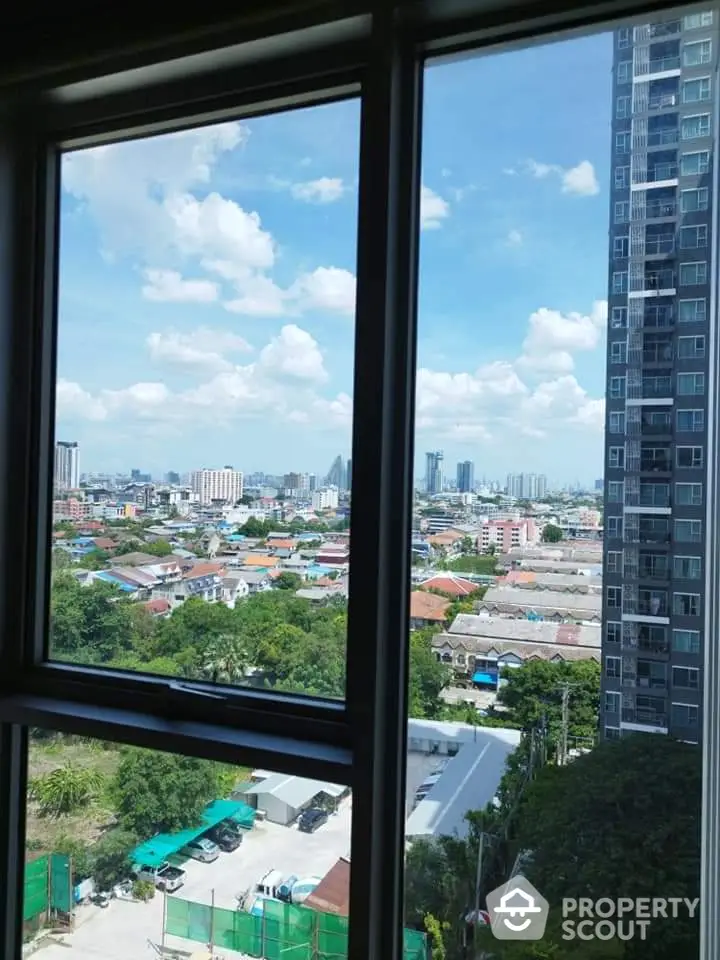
(519, 912)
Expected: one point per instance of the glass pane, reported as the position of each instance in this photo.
(134, 853)
(556, 644)
(202, 472)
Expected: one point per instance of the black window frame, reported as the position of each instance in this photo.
(309, 53)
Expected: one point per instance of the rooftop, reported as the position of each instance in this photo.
(428, 606)
(449, 583)
(542, 600)
(526, 631)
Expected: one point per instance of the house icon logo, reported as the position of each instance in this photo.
(517, 911)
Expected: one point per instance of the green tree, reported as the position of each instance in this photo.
(89, 624)
(287, 580)
(94, 560)
(225, 659)
(161, 792)
(61, 560)
(158, 548)
(255, 528)
(110, 857)
(66, 789)
(131, 545)
(428, 677)
(551, 533)
(467, 545)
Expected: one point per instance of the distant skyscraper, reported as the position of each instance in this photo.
(465, 476)
(514, 485)
(599, 483)
(67, 465)
(434, 471)
(172, 477)
(541, 486)
(312, 482)
(336, 474)
(224, 485)
(348, 475)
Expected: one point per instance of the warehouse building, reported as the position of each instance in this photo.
(283, 798)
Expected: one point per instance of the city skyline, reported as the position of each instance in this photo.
(207, 280)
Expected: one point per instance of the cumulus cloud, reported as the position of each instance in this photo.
(433, 209)
(553, 337)
(322, 190)
(326, 288)
(203, 350)
(580, 180)
(169, 286)
(294, 353)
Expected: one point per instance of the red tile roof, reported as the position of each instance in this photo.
(428, 606)
(158, 606)
(204, 570)
(447, 583)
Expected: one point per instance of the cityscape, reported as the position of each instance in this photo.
(555, 638)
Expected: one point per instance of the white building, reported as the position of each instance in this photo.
(326, 499)
(224, 485)
(67, 465)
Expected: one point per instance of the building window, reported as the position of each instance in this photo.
(688, 531)
(691, 348)
(692, 311)
(690, 384)
(616, 457)
(622, 211)
(684, 715)
(613, 667)
(618, 350)
(695, 164)
(692, 238)
(687, 568)
(686, 604)
(690, 421)
(616, 422)
(697, 53)
(693, 21)
(618, 318)
(622, 177)
(686, 641)
(623, 142)
(620, 281)
(617, 388)
(614, 561)
(623, 107)
(690, 457)
(621, 247)
(623, 37)
(612, 701)
(613, 631)
(686, 677)
(615, 491)
(692, 274)
(614, 527)
(624, 71)
(688, 495)
(695, 91)
(694, 200)
(695, 126)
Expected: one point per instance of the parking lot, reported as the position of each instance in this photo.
(127, 929)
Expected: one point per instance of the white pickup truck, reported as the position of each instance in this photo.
(165, 877)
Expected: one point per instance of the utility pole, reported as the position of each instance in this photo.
(564, 723)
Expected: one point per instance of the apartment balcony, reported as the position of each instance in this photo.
(657, 573)
(655, 465)
(669, 29)
(658, 318)
(657, 353)
(661, 171)
(654, 209)
(647, 607)
(655, 430)
(662, 138)
(661, 101)
(659, 246)
(649, 718)
(661, 64)
(656, 388)
(653, 498)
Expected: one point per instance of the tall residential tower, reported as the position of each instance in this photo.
(67, 465)
(661, 285)
(434, 471)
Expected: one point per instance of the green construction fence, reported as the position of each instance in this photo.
(47, 885)
(283, 931)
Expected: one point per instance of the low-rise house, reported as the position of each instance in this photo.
(450, 584)
(234, 587)
(159, 607)
(509, 601)
(427, 609)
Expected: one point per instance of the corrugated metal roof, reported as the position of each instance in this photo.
(295, 791)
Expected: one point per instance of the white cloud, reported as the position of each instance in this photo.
(326, 288)
(202, 350)
(579, 180)
(169, 286)
(514, 238)
(72, 402)
(294, 353)
(433, 209)
(550, 330)
(322, 190)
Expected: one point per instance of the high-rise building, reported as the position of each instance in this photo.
(465, 476)
(542, 487)
(223, 486)
(336, 474)
(434, 471)
(172, 477)
(663, 269)
(526, 486)
(67, 465)
(348, 475)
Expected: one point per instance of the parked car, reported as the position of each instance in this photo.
(311, 819)
(202, 849)
(164, 877)
(226, 838)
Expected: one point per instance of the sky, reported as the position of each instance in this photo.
(207, 280)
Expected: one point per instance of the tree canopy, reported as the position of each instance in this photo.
(551, 533)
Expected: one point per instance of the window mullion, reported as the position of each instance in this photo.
(13, 782)
(382, 485)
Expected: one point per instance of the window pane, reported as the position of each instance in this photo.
(527, 590)
(207, 846)
(207, 296)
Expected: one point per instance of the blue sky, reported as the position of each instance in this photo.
(207, 280)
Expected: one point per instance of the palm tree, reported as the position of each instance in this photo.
(66, 789)
(225, 659)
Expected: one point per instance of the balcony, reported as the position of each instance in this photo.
(653, 387)
(653, 497)
(661, 171)
(660, 245)
(654, 209)
(660, 101)
(655, 464)
(647, 645)
(655, 571)
(662, 138)
(657, 352)
(659, 280)
(661, 64)
(656, 606)
(655, 430)
(649, 718)
(658, 318)
(669, 29)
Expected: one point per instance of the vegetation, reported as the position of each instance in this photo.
(143, 890)
(473, 563)
(551, 533)
(66, 789)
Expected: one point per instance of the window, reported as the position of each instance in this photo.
(684, 715)
(693, 164)
(686, 604)
(623, 142)
(615, 491)
(623, 108)
(691, 348)
(694, 91)
(692, 238)
(690, 421)
(692, 274)
(616, 422)
(621, 247)
(622, 211)
(697, 53)
(618, 350)
(614, 561)
(687, 677)
(612, 701)
(613, 667)
(690, 384)
(618, 318)
(693, 21)
(614, 527)
(694, 200)
(688, 495)
(687, 568)
(613, 631)
(692, 311)
(696, 126)
(616, 457)
(686, 641)
(620, 281)
(624, 71)
(688, 531)
(622, 177)
(690, 457)
(623, 37)
(617, 388)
